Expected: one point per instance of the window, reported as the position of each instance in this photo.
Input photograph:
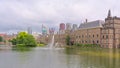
(103, 36)
(97, 41)
(82, 41)
(93, 35)
(79, 36)
(106, 36)
(97, 35)
(93, 42)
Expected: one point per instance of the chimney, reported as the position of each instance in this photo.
(86, 20)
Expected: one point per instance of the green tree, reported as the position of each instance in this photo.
(1, 39)
(24, 39)
(14, 41)
(68, 40)
(30, 41)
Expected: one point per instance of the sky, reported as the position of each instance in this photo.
(17, 15)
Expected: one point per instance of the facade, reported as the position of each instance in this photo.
(89, 33)
(111, 32)
(104, 33)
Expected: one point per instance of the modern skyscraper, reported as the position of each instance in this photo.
(45, 30)
(74, 27)
(68, 26)
(62, 26)
(29, 30)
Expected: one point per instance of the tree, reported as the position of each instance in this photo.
(30, 41)
(1, 39)
(24, 39)
(68, 40)
(14, 41)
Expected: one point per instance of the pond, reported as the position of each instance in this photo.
(41, 57)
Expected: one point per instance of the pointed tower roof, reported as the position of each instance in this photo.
(109, 14)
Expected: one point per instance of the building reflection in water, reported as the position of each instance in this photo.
(93, 58)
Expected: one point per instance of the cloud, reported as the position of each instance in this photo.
(20, 14)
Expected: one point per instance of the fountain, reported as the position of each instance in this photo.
(52, 43)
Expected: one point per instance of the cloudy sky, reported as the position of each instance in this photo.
(16, 15)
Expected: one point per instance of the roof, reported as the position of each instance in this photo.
(92, 24)
(2, 34)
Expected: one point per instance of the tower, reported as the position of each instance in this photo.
(111, 32)
(109, 14)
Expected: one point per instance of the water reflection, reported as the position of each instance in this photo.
(97, 58)
(60, 58)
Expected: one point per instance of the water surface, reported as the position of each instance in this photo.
(60, 58)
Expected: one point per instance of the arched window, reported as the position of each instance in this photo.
(97, 35)
(97, 41)
(93, 35)
(103, 36)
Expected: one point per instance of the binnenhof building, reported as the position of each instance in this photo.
(104, 33)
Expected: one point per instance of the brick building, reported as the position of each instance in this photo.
(104, 33)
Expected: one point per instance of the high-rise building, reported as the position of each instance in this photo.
(29, 30)
(62, 26)
(51, 30)
(74, 27)
(68, 26)
(45, 30)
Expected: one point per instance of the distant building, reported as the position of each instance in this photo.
(36, 34)
(62, 26)
(51, 30)
(75, 27)
(29, 30)
(68, 26)
(101, 33)
(6, 38)
(45, 30)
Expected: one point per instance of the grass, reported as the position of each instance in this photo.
(40, 45)
(87, 45)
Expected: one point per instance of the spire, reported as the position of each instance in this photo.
(109, 13)
(86, 20)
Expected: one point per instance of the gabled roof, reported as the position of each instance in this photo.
(92, 24)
